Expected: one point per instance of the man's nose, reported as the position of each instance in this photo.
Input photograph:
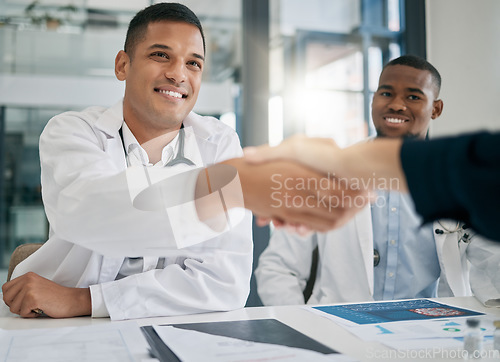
(397, 104)
(175, 71)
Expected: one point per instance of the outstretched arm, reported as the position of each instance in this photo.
(365, 162)
(282, 190)
(454, 177)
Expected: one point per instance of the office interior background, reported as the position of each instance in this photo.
(274, 68)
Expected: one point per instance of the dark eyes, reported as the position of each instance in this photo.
(159, 55)
(411, 97)
(162, 56)
(195, 64)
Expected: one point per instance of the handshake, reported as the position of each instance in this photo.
(306, 184)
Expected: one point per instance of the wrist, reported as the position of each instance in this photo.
(83, 302)
(241, 167)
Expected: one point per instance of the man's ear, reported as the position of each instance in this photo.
(437, 108)
(122, 62)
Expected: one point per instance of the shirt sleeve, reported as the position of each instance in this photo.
(457, 178)
(99, 309)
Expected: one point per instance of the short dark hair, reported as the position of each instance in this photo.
(418, 63)
(156, 13)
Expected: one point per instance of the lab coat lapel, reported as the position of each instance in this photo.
(110, 123)
(195, 147)
(347, 273)
(364, 229)
(197, 137)
(111, 120)
(452, 259)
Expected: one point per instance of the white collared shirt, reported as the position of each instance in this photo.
(136, 155)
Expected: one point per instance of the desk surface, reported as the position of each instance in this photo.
(319, 328)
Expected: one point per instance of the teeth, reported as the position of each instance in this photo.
(395, 120)
(171, 93)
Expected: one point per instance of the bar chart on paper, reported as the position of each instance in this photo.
(415, 309)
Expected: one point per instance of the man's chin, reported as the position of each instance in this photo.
(405, 135)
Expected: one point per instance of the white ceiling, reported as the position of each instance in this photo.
(203, 8)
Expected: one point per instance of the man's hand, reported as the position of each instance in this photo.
(30, 292)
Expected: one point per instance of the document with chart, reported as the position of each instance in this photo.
(394, 311)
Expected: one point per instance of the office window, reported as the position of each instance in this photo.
(22, 215)
(325, 61)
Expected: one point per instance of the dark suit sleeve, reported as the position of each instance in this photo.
(456, 178)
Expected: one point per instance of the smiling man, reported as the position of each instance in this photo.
(84, 158)
(163, 68)
(385, 252)
(407, 98)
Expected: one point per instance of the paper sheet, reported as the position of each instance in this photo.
(104, 342)
(196, 346)
(442, 328)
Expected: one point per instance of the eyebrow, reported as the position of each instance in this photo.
(383, 86)
(166, 47)
(413, 90)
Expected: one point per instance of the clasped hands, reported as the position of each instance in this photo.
(305, 195)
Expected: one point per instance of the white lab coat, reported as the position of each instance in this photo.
(83, 164)
(346, 273)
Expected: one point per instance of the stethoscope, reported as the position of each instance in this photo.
(178, 159)
(459, 228)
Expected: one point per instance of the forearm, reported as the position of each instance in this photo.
(373, 165)
(247, 181)
(30, 292)
(361, 162)
(287, 191)
(204, 279)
